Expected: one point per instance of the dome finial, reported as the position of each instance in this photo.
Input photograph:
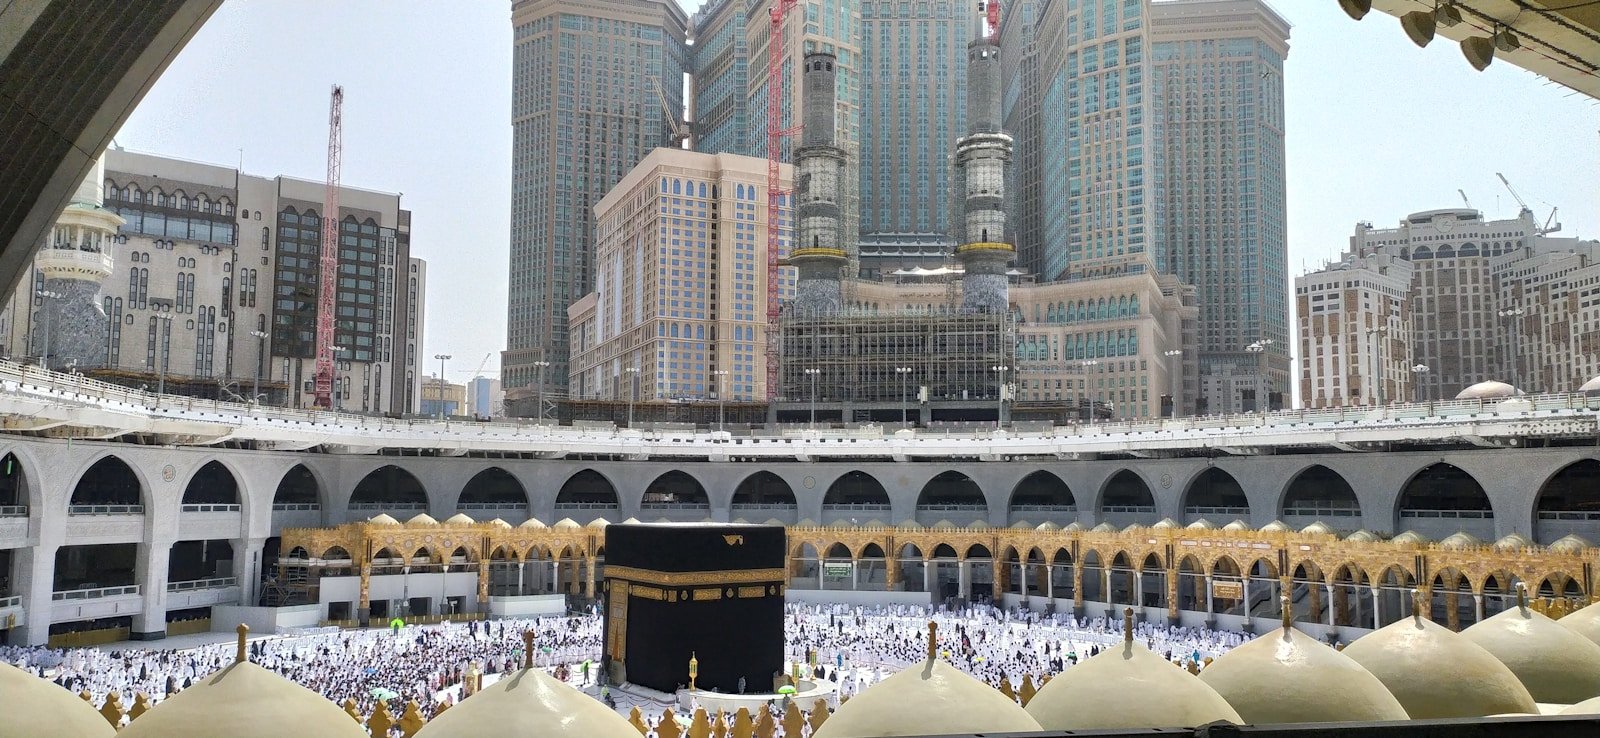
(933, 640)
(240, 656)
(1286, 608)
(1127, 625)
(527, 649)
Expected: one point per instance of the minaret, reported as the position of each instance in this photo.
(982, 155)
(69, 327)
(817, 254)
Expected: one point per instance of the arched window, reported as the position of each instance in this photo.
(702, 189)
(674, 330)
(677, 186)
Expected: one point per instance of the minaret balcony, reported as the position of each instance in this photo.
(93, 266)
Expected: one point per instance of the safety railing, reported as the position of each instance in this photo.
(95, 593)
(1044, 508)
(465, 506)
(193, 584)
(13, 511)
(1202, 510)
(1325, 512)
(390, 506)
(105, 509)
(296, 507)
(208, 507)
(1569, 514)
(1128, 508)
(586, 505)
(1452, 514)
(948, 507)
(675, 505)
(12, 601)
(764, 506)
(855, 507)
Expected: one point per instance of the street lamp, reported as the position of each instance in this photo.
(904, 372)
(261, 354)
(1259, 348)
(1516, 366)
(720, 374)
(442, 359)
(1094, 398)
(1176, 370)
(1000, 408)
(813, 373)
(633, 390)
(166, 348)
(49, 317)
(540, 365)
(338, 386)
(1416, 381)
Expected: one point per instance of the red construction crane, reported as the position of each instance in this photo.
(327, 281)
(994, 18)
(775, 191)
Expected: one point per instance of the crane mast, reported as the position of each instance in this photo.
(327, 279)
(775, 192)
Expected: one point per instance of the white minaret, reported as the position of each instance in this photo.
(69, 326)
(983, 155)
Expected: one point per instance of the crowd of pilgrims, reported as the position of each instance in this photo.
(851, 645)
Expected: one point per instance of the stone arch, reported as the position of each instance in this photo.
(951, 488)
(212, 484)
(389, 487)
(298, 486)
(1568, 501)
(1442, 498)
(1152, 581)
(838, 550)
(1041, 492)
(1214, 493)
(676, 487)
(1191, 583)
(490, 489)
(1316, 493)
(14, 489)
(856, 487)
(109, 481)
(334, 553)
(1125, 497)
(587, 487)
(763, 489)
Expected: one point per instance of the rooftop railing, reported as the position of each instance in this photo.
(12, 601)
(95, 593)
(105, 509)
(210, 507)
(193, 584)
(13, 511)
(296, 507)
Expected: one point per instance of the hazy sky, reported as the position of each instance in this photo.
(1377, 128)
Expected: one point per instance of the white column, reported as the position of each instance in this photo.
(964, 580)
(1050, 582)
(1377, 608)
(927, 575)
(1245, 590)
(1211, 607)
(36, 582)
(555, 576)
(1022, 579)
(855, 568)
(1138, 589)
(520, 566)
(247, 567)
(822, 573)
(1477, 607)
(1329, 587)
(151, 570)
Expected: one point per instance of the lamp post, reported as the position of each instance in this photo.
(261, 355)
(720, 374)
(1000, 407)
(633, 391)
(1175, 368)
(1513, 313)
(164, 351)
(540, 366)
(46, 296)
(813, 373)
(442, 359)
(1416, 381)
(1089, 385)
(1376, 335)
(338, 386)
(1259, 348)
(905, 402)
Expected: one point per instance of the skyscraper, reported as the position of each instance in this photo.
(584, 112)
(914, 64)
(1019, 73)
(722, 81)
(1215, 85)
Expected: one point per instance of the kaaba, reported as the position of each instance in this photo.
(708, 591)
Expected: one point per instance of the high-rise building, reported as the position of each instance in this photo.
(914, 64)
(722, 81)
(1021, 106)
(679, 308)
(213, 282)
(484, 398)
(1217, 214)
(1355, 327)
(585, 110)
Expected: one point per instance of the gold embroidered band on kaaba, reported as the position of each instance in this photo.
(690, 578)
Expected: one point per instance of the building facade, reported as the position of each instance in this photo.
(1356, 332)
(585, 110)
(680, 302)
(443, 398)
(212, 288)
(485, 399)
(1485, 300)
(721, 82)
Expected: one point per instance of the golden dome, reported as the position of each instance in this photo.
(930, 698)
(37, 708)
(1288, 677)
(382, 519)
(421, 520)
(1459, 540)
(1584, 622)
(1410, 537)
(1570, 543)
(1412, 654)
(1586, 707)
(1555, 664)
(243, 700)
(533, 523)
(1093, 694)
(460, 519)
(1201, 524)
(529, 702)
(1237, 525)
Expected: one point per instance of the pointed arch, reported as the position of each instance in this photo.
(677, 488)
(951, 489)
(1125, 491)
(14, 496)
(297, 488)
(1319, 492)
(109, 482)
(1215, 492)
(490, 489)
(1443, 487)
(763, 489)
(389, 487)
(1568, 502)
(1042, 491)
(856, 488)
(587, 488)
(213, 484)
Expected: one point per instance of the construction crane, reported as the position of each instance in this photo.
(775, 192)
(1547, 221)
(327, 279)
(1464, 199)
(994, 18)
(680, 131)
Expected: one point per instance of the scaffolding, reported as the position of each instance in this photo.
(857, 357)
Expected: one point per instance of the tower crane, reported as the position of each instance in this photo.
(329, 272)
(775, 192)
(1464, 199)
(1547, 221)
(680, 131)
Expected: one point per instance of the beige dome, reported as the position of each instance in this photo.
(529, 703)
(1570, 543)
(1202, 524)
(1437, 673)
(1048, 526)
(1488, 391)
(1073, 526)
(38, 708)
(908, 525)
(1318, 527)
(566, 523)
(382, 519)
(1094, 695)
(1410, 537)
(1592, 385)
(1554, 663)
(1288, 677)
(1165, 523)
(244, 701)
(929, 698)
(1022, 525)
(1103, 528)
(1276, 526)
(1584, 622)
(632, 521)
(421, 520)
(944, 525)
(1237, 525)
(1459, 540)
(978, 525)
(1586, 707)
(1364, 536)
(1512, 542)
(533, 523)
(460, 519)
(498, 523)
(599, 523)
